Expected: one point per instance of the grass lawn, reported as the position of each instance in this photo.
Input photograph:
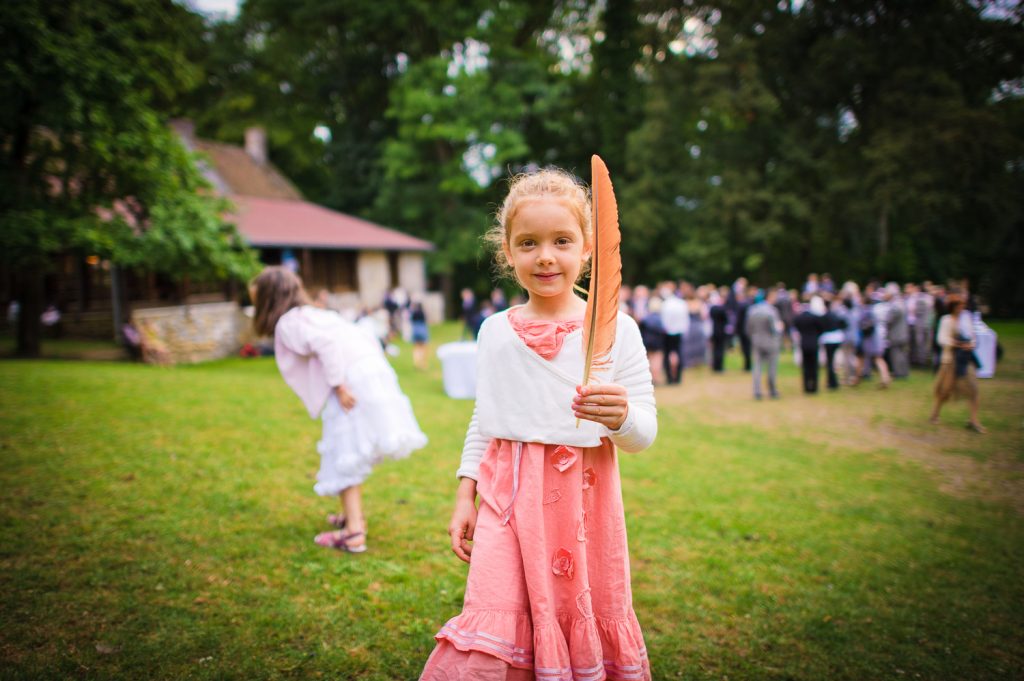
(157, 523)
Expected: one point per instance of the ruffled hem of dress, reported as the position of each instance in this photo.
(625, 654)
(503, 634)
(376, 447)
(596, 648)
(355, 457)
(382, 426)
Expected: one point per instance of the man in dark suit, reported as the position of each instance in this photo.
(810, 324)
(719, 332)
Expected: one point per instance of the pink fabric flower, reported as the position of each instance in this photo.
(542, 336)
(562, 457)
(562, 563)
(589, 478)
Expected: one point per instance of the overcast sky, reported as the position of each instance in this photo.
(228, 8)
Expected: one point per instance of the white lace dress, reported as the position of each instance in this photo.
(381, 426)
(317, 349)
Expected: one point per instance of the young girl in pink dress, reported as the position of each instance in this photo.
(548, 593)
(340, 373)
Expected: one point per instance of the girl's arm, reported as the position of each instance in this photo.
(322, 336)
(463, 522)
(626, 407)
(472, 450)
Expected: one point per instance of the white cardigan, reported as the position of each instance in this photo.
(314, 349)
(523, 397)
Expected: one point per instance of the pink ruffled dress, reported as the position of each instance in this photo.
(548, 595)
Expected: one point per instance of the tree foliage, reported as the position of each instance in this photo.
(869, 138)
(89, 164)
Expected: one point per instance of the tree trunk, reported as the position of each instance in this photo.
(883, 230)
(452, 310)
(116, 298)
(30, 298)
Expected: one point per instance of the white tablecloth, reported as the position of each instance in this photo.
(458, 368)
(985, 349)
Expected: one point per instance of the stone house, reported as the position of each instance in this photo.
(354, 260)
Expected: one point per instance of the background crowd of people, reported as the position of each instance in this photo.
(883, 329)
(853, 334)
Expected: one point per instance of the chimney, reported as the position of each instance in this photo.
(256, 144)
(185, 128)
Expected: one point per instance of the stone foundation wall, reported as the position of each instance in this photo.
(191, 333)
(197, 333)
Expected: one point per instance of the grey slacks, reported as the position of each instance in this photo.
(768, 359)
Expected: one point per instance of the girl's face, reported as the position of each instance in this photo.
(546, 248)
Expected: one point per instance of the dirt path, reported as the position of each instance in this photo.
(964, 464)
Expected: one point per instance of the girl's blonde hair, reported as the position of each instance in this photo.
(274, 291)
(549, 183)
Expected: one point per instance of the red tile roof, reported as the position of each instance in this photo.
(243, 175)
(300, 224)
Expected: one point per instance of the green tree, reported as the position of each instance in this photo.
(896, 100)
(862, 137)
(491, 104)
(88, 163)
(753, 137)
(292, 65)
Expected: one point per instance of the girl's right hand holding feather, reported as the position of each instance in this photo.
(463, 523)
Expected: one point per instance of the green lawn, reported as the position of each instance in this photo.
(157, 523)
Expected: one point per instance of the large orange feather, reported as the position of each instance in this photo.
(605, 272)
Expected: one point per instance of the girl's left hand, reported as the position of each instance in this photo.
(347, 399)
(604, 403)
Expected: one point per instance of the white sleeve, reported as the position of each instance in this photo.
(326, 340)
(945, 335)
(633, 371)
(472, 450)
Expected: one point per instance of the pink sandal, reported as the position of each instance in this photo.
(337, 520)
(340, 541)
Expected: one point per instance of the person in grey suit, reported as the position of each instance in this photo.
(899, 332)
(764, 327)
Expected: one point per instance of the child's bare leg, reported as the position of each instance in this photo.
(655, 361)
(883, 370)
(939, 401)
(352, 502)
(975, 403)
(420, 356)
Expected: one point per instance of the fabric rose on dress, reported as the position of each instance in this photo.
(562, 563)
(589, 478)
(562, 458)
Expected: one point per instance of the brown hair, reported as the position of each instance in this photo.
(549, 183)
(274, 291)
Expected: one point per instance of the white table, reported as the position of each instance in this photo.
(458, 369)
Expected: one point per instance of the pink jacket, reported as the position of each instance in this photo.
(314, 349)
